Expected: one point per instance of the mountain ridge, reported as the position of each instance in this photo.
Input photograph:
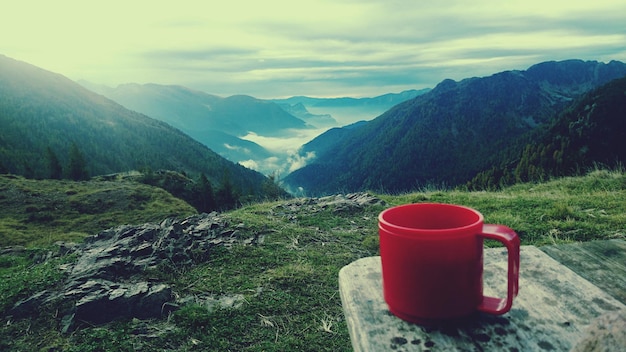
(448, 135)
(193, 109)
(220, 123)
(42, 109)
(588, 133)
(230, 126)
(384, 99)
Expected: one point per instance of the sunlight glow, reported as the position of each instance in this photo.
(276, 48)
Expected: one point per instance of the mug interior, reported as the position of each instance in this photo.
(430, 217)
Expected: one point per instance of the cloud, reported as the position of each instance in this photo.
(281, 165)
(268, 166)
(297, 161)
(285, 148)
(287, 143)
(250, 164)
(322, 48)
(286, 157)
(237, 148)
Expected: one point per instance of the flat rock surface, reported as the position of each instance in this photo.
(603, 263)
(554, 308)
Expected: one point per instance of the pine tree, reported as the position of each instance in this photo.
(54, 165)
(225, 196)
(270, 187)
(77, 169)
(204, 195)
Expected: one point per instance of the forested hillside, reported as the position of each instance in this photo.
(592, 131)
(448, 135)
(326, 141)
(52, 126)
(194, 110)
(219, 123)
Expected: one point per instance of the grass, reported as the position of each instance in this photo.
(564, 210)
(41, 212)
(284, 292)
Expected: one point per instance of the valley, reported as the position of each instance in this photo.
(262, 135)
(343, 144)
(395, 142)
(311, 146)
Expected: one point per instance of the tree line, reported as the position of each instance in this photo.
(202, 194)
(199, 192)
(75, 170)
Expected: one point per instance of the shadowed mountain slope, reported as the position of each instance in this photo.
(43, 112)
(451, 133)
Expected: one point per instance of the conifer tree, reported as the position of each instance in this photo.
(225, 196)
(77, 169)
(270, 187)
(54, 165)
(204, 193)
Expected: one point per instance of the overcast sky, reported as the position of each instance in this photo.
(280, 48)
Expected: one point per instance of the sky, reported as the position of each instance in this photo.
(321, 48)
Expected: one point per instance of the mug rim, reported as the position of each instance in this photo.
(403, 230)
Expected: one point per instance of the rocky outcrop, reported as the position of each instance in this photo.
(111, 279)
(338, 203)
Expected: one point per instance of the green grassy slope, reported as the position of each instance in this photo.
(287, 285)
(41, 212)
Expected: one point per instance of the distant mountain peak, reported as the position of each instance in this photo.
(445, 85)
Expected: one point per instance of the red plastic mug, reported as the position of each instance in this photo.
(432, 262)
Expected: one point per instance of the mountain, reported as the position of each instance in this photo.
(590, 132)
(44, 114)
(317, 120)
(347, 110)
(325, 142)
(389, 100)
(214, 121)
(191, 109)
(451, 133)
(236, 126)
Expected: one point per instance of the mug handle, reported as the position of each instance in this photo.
(508, 237)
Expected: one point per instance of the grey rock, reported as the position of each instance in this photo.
(102, 301)
(336, 203)
(108, 280)
(349, 202)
